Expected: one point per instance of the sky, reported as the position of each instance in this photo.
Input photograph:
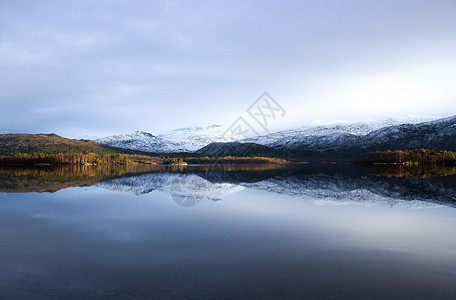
(96, 68)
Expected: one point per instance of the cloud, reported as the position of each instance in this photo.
(73, 67)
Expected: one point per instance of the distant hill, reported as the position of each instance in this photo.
(323, 143)
(435, 135)
(238, 149)
(253, 149)
(187, 139)
(53, 144)
(316, 136)
(329, 135)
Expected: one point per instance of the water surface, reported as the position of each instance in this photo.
(226, 232)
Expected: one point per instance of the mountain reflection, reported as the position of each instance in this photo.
(190, 185)
(186, 190)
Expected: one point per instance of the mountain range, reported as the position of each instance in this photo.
(188, 139)
(315, 142)
(342, 137)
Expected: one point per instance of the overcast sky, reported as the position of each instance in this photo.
(103, 67)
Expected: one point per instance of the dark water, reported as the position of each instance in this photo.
(234, 232)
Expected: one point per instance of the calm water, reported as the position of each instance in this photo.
(237, 232)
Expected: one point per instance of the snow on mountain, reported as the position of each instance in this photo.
(437, 134)
(318, 135)
(325, 135)
(191, 139)
(139, 140)
(187, 139)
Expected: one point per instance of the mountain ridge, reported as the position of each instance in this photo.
(188, 139)
(13, 143)
(436, 135)
(192, 139)
(337, 141)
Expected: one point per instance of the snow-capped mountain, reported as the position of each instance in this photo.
(191, 139)
(317, 136)
(138, 140)
(321, 135)
(438, 135)
(187, 139)
(350, 139)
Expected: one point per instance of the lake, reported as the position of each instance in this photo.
(238, 231)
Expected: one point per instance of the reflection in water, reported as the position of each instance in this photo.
(187, 190)
(19, 179)
(126, 239)
(191, 189)
(182, 193)
(188, 186)
(399, 170)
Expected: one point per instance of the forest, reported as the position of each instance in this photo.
(125, 159)
(85, 159)
(409, 157)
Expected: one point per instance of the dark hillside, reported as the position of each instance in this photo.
(53, 144)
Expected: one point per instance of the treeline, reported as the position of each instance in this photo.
(84, 159)
(417, 156)
(236, 160)
(127, 159)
